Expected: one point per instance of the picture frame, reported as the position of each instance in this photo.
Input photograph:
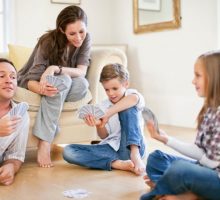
(75, 2)
(151, 5)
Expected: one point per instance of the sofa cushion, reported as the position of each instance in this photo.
(34, 99)
(19, 55)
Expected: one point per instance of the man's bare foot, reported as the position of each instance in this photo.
(149, 182)
(188, 196)
(43, 154)
(126, 165)
(139, 166)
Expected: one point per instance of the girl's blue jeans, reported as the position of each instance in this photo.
(101, 156)
(176, 175)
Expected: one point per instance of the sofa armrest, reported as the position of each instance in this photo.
(99, 58)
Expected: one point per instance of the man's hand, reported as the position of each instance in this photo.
(8, 125)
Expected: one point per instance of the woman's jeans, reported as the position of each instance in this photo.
(176, 175)
(46, 123)
(101, 156)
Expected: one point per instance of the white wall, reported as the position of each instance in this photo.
(160, 63)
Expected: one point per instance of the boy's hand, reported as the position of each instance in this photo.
(8, 125)
(7, 173)
(90, 120)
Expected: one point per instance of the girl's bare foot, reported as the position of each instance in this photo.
(139, 166)
(126, 165)
(43, 154)
(188, 196)
(149, 182)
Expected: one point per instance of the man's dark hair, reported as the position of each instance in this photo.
(7, 61)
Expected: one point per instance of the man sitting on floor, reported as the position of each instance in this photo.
(13, 128)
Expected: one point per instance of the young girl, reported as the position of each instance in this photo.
(122, 144)
(64, 52)
(175, 178)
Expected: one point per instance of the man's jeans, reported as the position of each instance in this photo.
(176, 175)
(101, 156)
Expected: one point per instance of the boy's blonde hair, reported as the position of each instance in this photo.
(112, 71)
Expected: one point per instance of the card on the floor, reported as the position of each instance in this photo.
(92, 110)
(19, 109)
(78, 193)
(56, 82)
(149, 115)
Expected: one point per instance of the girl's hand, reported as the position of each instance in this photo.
(149, 182)
(90, 120)
(162, 136)
(8, 125)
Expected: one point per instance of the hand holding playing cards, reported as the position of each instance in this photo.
(160, 136)
(8, 125)
(55, 83)
(92, 110)
(90, 120)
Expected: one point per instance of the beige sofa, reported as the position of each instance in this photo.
(72, 129)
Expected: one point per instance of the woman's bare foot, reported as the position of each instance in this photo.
(139, 166)
(188, 196)
(149, 182)
(43, 154)
(126, 165)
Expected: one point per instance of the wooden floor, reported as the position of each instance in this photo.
(34, 183)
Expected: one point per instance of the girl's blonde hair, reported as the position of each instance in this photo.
(112, 71)
(211, 64)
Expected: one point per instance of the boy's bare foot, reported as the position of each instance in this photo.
(126, 165)
(149, 182)
(43, 154)
(139, 166)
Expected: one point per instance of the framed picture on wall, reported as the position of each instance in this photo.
(153, 5)
(75, 2)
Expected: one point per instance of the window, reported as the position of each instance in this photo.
(1, 26)
(5, 21)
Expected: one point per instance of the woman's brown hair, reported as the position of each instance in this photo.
(54, 41)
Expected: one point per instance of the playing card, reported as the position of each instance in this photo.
(56, 82)
(50, 79)
(61, 87)
(92, 110)
(149, 115)
(19, 109)
(78, 193)
(98, 112)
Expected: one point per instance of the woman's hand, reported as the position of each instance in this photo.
(51, 70)
(162, 136)
(46, 88)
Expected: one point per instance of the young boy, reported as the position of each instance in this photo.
(13, 130)
(122, 146)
